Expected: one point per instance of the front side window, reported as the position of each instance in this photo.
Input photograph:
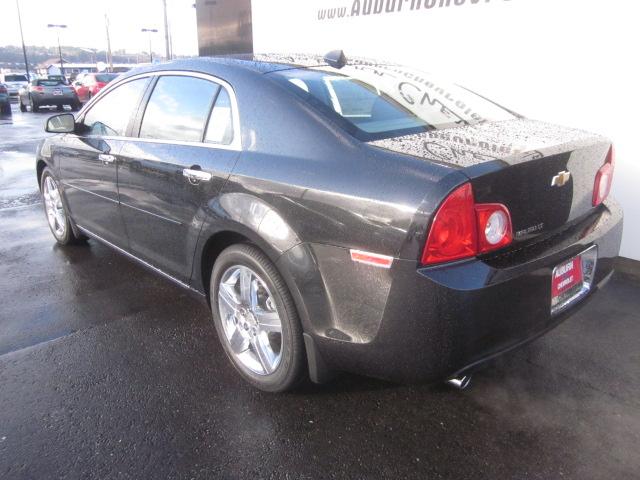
(111, 115)
(178, 109)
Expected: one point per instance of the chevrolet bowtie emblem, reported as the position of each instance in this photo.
(561, 179)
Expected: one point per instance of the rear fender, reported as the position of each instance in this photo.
(245, 215)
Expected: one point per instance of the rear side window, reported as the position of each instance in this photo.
(111, 115)
(178, 109)
(220, 127)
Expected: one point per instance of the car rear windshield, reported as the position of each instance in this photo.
(383, 101)
(15, 78)
(48, 83)
(105, 77)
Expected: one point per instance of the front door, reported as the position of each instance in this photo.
(89, 178)
(89, 162)
(181, 160)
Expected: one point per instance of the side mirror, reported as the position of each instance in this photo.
(63, 123)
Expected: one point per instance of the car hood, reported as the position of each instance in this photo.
(511, 141)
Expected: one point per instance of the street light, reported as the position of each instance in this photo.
(150, 31)
(58, 28)
(93, 52)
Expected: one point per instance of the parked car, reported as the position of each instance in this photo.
(41, 92)
(5, 100)
(338, 215)
(14, 82)
(90, 84)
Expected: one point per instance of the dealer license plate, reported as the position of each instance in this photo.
(57, 91)
(572, 279)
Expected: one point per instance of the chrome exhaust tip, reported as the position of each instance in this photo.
(460, 382)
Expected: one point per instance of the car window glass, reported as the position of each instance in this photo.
(15, 78)
(178, 109)
(48, 83)
(220, 127)
(110, 116)
(105, 77)
(384, 101)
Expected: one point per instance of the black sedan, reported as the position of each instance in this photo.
(336, 214)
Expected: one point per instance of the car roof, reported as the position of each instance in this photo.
(253, 63)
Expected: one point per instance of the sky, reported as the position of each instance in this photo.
(86, 26)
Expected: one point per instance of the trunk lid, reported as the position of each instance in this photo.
(515, 163)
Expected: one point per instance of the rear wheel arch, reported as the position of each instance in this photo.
(215, 241)
(212, 248)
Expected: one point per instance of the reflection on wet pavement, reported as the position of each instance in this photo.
(19, 137)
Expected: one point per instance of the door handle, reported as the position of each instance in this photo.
(195, 176)
(106, 158)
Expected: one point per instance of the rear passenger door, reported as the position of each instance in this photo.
(187, 143)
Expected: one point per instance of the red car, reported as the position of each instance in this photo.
(91, 84)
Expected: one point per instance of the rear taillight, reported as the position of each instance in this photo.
(462, 228)
(39, 89)
(494, 226)
(604, 178)
(3, 89)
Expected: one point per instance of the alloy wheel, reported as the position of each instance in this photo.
(54, 208)
(250, 320)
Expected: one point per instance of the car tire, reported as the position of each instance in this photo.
(270, 359)
(75, 106)
(55, 209)
(5, 109)
(60, 108)
(34, 106)
(23, 107)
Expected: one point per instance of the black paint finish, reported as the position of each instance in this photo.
(305, 192)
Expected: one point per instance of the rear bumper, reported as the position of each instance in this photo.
(54, 99)
(417, 324)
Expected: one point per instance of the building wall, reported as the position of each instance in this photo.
(571, 62)
(224, 26)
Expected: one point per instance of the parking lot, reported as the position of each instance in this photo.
(107, 371)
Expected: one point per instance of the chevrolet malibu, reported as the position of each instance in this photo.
(338, 214)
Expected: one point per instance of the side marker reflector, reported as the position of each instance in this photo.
(373, 259)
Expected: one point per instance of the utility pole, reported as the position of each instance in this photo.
(171, 45)
(58, 27)
(24, 49)
(166, 31)
(109, 56)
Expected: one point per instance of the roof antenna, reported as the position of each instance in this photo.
(336, 58)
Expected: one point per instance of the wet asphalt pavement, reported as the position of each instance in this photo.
(107, 371)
